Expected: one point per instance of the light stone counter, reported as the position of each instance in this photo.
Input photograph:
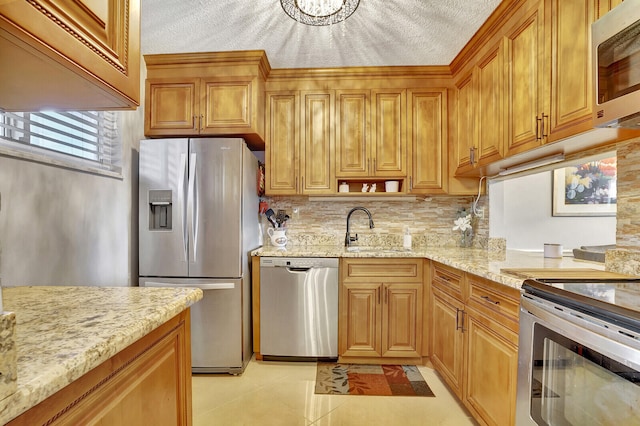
(63, 332)
(475, 261)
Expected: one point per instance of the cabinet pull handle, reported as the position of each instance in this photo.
(442, 277)
(378, 295)
(386, 294)
(488, 299)
(459, 324)
(472, 156)
(543, 134)
(538, 120)
(193, 123)
(201, 122)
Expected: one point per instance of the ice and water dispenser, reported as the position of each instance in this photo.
(160, 209)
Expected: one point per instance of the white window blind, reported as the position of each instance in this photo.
(89, 138)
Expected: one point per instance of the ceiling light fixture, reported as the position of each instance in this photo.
(319, 12)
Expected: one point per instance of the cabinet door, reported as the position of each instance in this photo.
(447, 339)
(353, 129)
(490, 90)
(317, 143)
(427, 135)
(389, 133)
(525, 82)
(70, 54)
(491, 371)
(171, 107)
(571, 74)
(465, 124)
(281, 144)
(402, 320)
(360, 320)
(225, 106)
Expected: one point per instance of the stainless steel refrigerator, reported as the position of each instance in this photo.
(198, 223)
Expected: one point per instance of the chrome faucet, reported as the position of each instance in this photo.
(348, 239)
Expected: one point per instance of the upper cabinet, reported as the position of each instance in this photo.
(525, 86)
(389, 154)
(525, 109)
(300, 143)
(207, 94)
(480, 129)
(353, 132)
(91, 50)
(371, 145)
(427, 130)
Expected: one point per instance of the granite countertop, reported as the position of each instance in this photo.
(63, 332)
(476, 261)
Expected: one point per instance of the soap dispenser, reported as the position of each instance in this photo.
(406, 242)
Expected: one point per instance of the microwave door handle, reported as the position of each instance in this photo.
(182, 203)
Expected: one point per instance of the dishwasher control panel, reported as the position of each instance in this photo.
(299, 262)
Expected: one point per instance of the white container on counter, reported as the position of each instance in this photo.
(552, 250)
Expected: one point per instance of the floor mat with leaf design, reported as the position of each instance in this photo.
(356, 379)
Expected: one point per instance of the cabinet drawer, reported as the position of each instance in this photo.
(447, 279)
(382, 270)
(496, 301)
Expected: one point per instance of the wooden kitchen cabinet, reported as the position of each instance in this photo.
(571, 75)
(353, 133)
(389, 135)
(525, 107)
(371, 145)
(447, 338)
(474, 337)
(380, 310)
(91, 50)
(148, 382)
(549, 77)
(207, 94)
(282, 142)
(427, 135)
(317, 142)
(300, 143)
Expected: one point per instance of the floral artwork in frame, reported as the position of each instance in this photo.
(586, 189)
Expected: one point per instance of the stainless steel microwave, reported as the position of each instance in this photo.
(616, 67)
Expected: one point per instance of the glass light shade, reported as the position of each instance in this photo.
(319, 12)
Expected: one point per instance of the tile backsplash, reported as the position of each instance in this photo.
(430, 221)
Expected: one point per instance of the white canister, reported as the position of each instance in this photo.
(552, 250)
(391, 186)
(344, 187)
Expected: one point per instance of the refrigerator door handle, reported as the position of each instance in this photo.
(213, 286)
(183, 204)
(192, 204)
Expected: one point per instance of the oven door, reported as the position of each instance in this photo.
(574, 369)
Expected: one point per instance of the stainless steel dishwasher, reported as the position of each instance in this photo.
(298, 307)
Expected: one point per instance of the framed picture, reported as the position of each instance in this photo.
(586, 189)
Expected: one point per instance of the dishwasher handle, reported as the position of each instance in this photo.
(297, 270)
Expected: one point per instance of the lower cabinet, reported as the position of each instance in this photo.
(148, 382)
(381, 309)
(474, 342)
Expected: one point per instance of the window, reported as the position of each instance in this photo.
(81, 139)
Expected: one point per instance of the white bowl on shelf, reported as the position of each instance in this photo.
(391, 186)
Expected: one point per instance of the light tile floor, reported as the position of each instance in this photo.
(282, 393)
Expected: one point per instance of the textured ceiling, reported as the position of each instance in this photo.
(380, 32)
